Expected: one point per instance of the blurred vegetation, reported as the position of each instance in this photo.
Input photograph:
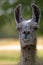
(7, 20)
(9, 57)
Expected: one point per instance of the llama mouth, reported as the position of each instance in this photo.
(27, 47)
(26, 40)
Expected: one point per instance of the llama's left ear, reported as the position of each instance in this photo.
(18, 13)
(35, 13)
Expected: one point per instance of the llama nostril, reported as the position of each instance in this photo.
(28, 32)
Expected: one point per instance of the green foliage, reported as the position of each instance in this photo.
(6, 5)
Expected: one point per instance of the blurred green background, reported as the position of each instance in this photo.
(7, 19)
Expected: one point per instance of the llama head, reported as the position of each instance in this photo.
(27, 28)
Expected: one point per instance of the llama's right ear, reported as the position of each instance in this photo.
(17, 11)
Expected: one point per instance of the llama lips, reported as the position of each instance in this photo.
(26, 40)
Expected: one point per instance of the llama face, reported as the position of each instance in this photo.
(27, 32)
(27, 28)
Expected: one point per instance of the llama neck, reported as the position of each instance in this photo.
(28, 55)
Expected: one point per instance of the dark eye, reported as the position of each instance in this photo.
(19, 29)
(35, 28)
(24, 32)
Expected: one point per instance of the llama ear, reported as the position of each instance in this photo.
(18, 13)
(36, 13)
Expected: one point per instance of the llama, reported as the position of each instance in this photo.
(27, 34)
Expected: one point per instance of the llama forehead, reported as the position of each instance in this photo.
(27, 23)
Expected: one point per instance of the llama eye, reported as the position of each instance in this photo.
(24, 32)
(35, 28)
(19, 29)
